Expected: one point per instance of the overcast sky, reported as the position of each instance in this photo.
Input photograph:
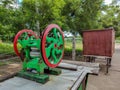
(108, 1)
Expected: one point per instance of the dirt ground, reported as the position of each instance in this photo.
(9, 68)
(110, 81)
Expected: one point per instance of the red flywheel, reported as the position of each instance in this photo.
(52, 45)
(29, 33)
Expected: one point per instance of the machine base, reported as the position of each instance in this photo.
(40, 78)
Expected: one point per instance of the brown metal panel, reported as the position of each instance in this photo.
(99, 42)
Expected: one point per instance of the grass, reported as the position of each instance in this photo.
(68, 45)
(8, 47)
(3, 63)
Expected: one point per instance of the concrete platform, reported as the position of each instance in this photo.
(62, 82)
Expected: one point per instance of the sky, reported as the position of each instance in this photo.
(20, 1)
(107, 1)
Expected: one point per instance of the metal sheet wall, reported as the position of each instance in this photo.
(99, 42)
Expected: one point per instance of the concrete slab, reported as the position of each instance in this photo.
(61, 82)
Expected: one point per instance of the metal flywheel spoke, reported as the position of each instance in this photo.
(50, 39)
(54, 56)
(60, 41)
(48, 49)
(55, 33)
(59, 51)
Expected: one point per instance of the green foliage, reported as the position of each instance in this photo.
(68, 45)
(82, 14)
(110, 17)
(49, 11)
(5, 26)
(6, 48)
(74, 15)
(118, 38)
(3, 63)
(11, 20)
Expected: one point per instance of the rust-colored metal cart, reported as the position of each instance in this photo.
(99, 43)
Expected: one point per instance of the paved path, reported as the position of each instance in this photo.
(110, 81)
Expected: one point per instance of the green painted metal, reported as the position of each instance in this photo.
(40, 78)
(33, 62)
(54, 42)
(83, 84)
(80, 88)
(53, 50)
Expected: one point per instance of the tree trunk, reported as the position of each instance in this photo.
(37, 22)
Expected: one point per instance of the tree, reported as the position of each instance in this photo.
(5, 24)
(82, 14)
(11, 19)
(74, 15)
(15, 19)
(110, 17)
(49, 12)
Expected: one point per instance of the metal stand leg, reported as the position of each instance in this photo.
(110, 62)
(107, 66)
(92, 59)
(89, 59)
(85, 59)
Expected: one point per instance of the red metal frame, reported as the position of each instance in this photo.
(43, 42)
(17, 36)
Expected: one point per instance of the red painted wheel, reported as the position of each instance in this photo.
(27, 33)
(52, 45)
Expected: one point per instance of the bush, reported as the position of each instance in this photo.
(6, 48)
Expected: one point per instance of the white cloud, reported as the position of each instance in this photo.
(108, 1)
